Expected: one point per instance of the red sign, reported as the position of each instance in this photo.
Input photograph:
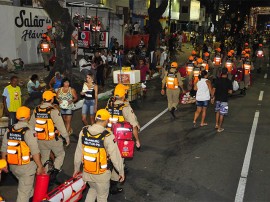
(84, 39)
(103, 39)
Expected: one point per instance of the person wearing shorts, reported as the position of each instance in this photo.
(90, 92)
(203, 88)
(223, 87)
(66, 97)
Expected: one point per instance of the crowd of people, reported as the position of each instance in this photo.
(210, 79)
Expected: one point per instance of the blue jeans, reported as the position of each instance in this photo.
(202, 103)
(88, 107)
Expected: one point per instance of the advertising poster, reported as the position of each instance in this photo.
(84, 39)
(103, 39)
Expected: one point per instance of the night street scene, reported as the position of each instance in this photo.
(134, 101)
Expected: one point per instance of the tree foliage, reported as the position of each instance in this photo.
(64, 28)
(155, 13)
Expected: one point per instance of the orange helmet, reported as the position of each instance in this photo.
(232, 51)
(260, 45)
(44, 36)
(191, 58)
(230, 54)
(174, 65)
(247, 55)
(193, 52)
(246, 44)
(243, 52)
(206, 54)
(199, 60)
(218, 49)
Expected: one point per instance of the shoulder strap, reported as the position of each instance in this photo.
(24, 129)
(105, 133)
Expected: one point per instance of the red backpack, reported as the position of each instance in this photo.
(123, 136)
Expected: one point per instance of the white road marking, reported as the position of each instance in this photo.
(265, 76)
(244, 173)
(261, 96)
(154, 119)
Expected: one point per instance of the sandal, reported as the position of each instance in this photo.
(194, 124)
(220, 130)
(204, 124)
(216, 127)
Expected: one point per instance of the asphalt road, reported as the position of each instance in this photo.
(180, 163)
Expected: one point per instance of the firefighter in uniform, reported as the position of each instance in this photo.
(20, 149)
(45, 47)
(172, 81)
(96, 149)
(229, 64)
(247, 67)
(260, 57)
(207, 63)
(126, 114)
(48, 124)
(217, 61)
(189, 72)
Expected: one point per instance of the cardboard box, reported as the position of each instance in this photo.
(131, 77)
(134, 91)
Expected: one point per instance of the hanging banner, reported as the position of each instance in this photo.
(103, 39)
(84, 39)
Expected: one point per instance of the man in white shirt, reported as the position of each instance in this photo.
(85, 65)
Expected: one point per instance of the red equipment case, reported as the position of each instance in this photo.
(123, 135)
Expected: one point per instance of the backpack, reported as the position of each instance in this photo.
(94, 154)
(18, 152)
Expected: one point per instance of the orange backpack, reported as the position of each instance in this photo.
(18, 152)
(94, 154)
(44, 124)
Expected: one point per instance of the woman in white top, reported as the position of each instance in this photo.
(90, 91)
(204, 88)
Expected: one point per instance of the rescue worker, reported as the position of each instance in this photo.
(172, 81)
(96, 166)
(189, 72)
(247, 67)
(48, 124)
(45, 48)
(260, 57)
(194, 55)
(207, 63)
(3, 167)
(197, 70)
(125, 113)
(217, 61)
(50, 35)
(229, 64)
(20, 149)
(243, 53)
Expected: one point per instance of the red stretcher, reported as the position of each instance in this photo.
(70, 191)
